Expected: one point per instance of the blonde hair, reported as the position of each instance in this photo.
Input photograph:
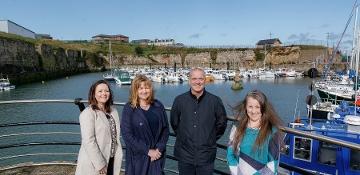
(135, 85)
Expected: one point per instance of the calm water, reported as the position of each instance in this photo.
(282, 93)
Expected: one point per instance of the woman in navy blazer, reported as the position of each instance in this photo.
(145, 130)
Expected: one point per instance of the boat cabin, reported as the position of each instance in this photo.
(320, 157)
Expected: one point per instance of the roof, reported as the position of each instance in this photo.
(109, 36)
(17, 25)
(268, 41)
(140, 40)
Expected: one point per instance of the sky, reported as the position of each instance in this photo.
(191, 22)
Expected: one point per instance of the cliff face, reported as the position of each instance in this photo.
(292, 57)
(27, 62)
(18, 56)
(59, 59)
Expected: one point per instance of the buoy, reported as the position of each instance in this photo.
(237, 84)
(209, 78)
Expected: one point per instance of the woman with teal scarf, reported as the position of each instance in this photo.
(254, 143)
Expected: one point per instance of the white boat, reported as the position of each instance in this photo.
(352, 120)
(122, 78)
(5, 84)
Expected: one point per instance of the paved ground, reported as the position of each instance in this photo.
(25, 169)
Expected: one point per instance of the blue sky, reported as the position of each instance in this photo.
(192, 22)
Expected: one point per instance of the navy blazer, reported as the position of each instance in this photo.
(138, 139)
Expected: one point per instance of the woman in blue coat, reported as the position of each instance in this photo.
(145, 130)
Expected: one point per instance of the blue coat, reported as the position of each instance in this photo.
(138, 139)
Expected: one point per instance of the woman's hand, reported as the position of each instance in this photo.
(154, 154)
(103, 170)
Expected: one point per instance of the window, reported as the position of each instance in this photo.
(355, 160)
(302, 148)
(327, 153)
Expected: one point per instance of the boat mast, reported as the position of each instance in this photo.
(110, 57)
(356, 53)
(354, 41)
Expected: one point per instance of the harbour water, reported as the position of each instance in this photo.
(282, 92)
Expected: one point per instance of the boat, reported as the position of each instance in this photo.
(318, 157)
(5, 84)
(339, 123)
(122, 77)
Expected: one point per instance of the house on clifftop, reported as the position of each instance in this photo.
(116, 38)
(268, 42)
(8, 26)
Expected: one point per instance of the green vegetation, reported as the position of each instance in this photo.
(213, 56)
(16, 38)
(309, 47)
(147, 51)
(258, 55)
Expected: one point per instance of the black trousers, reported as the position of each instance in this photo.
(110, 168)
(190, 169)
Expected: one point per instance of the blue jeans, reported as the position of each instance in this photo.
(190, 169)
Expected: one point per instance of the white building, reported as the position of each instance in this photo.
(8, 26)
(162, 42)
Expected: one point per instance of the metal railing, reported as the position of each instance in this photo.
(80, 103)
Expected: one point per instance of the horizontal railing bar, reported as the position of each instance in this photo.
(38, 144)
(171, 171)
(39, 123)
(221, 159)
(37, 154)
(296, 169)
(41, 101)
(38, 133)
(58, 101)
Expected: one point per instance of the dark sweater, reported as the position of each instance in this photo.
(153, 119)
(197, 123)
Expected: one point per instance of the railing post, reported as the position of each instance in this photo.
(81, 106)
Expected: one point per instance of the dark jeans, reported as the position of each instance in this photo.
(110, 167)
(190, 169)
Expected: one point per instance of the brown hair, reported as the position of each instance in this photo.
(92, 100)
(135, 85)
(269, 119)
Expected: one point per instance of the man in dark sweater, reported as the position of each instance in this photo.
(198, 119)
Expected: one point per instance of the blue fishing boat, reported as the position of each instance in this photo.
(318, 157)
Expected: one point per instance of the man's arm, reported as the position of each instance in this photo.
(175, 115)
(221, 119)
